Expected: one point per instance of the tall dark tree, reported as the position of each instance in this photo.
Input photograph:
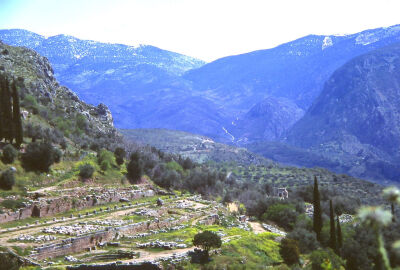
(393, 212)
(119, 154)
(1, 107)
(332, 236)
(339, 234)
(18, 131)
(135, 168)
(317, 217)
(6, 110)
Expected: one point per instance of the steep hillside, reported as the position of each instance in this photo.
(50, 105)
(356, 119)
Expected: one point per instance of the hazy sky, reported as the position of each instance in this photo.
(207, 29)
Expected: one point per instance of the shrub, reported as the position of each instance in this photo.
(38, 157)
(7, 180)
(134, 168)
(86, 171)
(119, 154)
(319, 257)
(57, 155)
(283, 214)
(307, 240)
(168, 179)
(289, 251)
(9, 154)
(207, 240)
(106, 160)
(187, 164)
(174, 166)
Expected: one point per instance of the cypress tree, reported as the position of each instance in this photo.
(339, 234)
(7, 111)
(332, 237)
(1, 106)
(393, 212)
(317, 216)
(18, 133)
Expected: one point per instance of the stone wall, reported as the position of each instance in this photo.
(78, 244)
(51, 206)
(114, 266)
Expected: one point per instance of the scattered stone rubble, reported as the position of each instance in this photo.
(110, 222)
(343, 218)
(152, 232)
(346, 218)
(38, 238)
(273, 229)
(70, 259)
(76, 229)
(145, 212)
(184, 204)
(161, 244)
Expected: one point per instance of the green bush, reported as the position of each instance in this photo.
(174, 166)
(106, 160)
(321, 256)
(7, 180)
(119, 154)
(12, 204)
(57, 155)
(135, 168)
(289, 251)
(207, 240)
(9, 154)
(307, 240)
(29, 102)
(283, 214)
(39, 156)
(86, 171)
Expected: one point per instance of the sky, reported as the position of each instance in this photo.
(206, 29)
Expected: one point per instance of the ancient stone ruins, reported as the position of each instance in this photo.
(79, 227)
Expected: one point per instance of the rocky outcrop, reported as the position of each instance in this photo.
(35, 76)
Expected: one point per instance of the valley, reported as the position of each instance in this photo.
(78, 192)
(256, 100)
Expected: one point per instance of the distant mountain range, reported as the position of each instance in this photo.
(295, 71)
(146, 87)
(329, 101)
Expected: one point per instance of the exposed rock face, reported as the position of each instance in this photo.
(35, 76)
(356, 119)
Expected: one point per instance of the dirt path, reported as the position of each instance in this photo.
(151, 256)
(257, 228)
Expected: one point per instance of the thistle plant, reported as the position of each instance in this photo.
(392, 195)
(376, 217)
